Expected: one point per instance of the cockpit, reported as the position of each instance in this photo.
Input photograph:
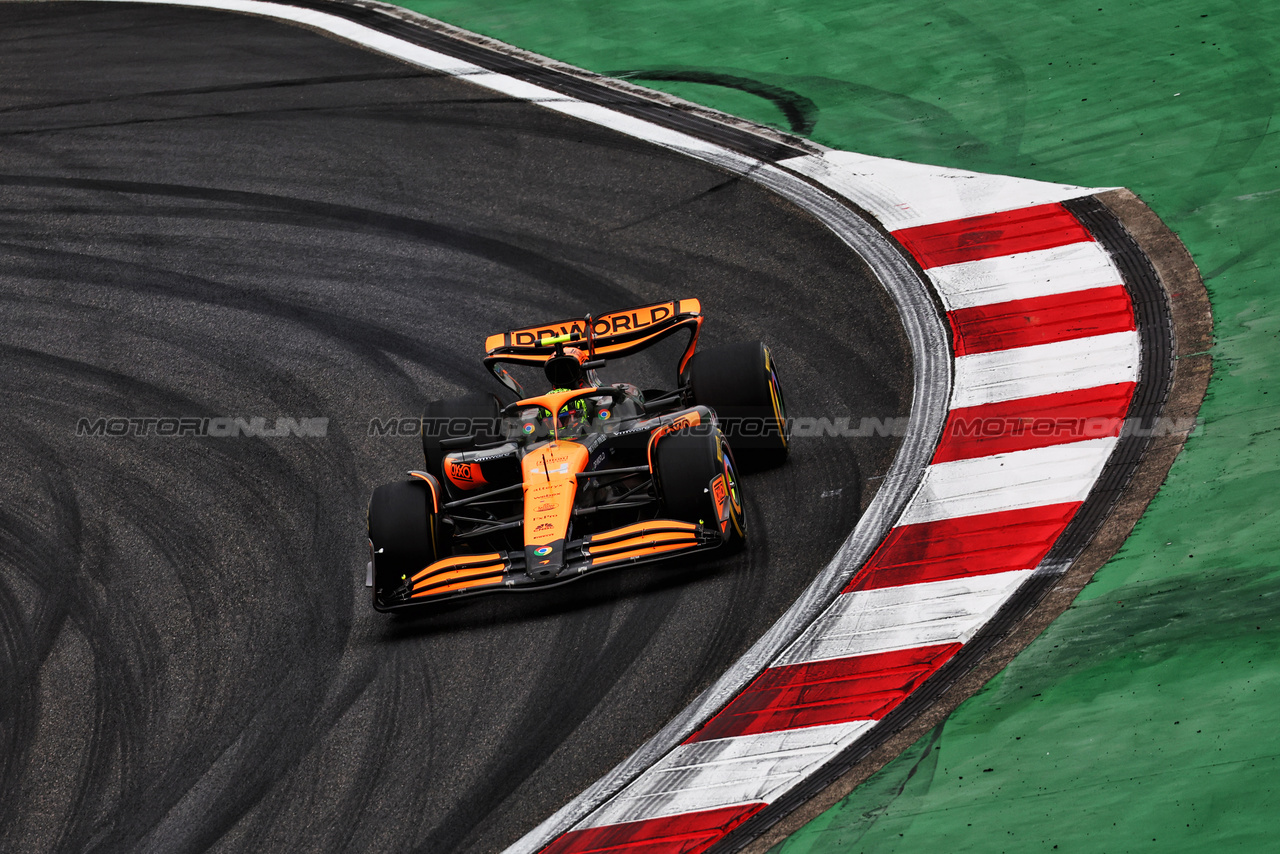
(589, 411)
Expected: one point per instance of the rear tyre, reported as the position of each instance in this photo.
(473, 414)
(695, 473)
(405, 533)
(740, 382)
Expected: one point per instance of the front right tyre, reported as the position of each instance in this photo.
(405, 536)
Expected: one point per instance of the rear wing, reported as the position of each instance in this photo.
(609, 336)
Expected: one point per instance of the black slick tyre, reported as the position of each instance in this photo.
(691, 469)
(740, 382)
(405, 536)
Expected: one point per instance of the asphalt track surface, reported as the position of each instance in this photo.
(210, 215)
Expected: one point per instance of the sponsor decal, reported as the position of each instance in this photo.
(608, 324)
(689, 419)
(554, 465)
(718, 489)
(462, 471)
(545, 526)
(720, 492)
(604, 415)
(465, 475)
(542, 551)
(528, 427)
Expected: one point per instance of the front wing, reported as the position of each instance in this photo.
(471, 574)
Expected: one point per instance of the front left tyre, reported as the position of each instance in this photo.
(698, 482)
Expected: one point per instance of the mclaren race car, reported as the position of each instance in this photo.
(585, 476)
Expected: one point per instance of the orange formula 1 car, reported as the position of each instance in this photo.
(584, 477)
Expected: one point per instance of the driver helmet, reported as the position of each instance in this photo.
(573, 415)
(567, 371)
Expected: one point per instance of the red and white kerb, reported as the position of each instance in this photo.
(1046, 360)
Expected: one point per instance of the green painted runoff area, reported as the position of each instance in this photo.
(1144, 718)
